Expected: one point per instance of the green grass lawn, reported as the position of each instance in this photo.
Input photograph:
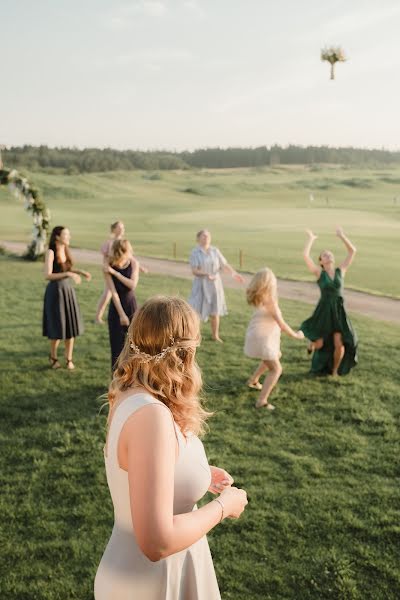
(323, 521)
(262, 212)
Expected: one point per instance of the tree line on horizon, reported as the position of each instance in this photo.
(90, 160)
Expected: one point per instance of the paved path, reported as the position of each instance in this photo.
(377, 307)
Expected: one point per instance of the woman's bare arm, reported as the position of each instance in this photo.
(148, 439)
(351, 250)
(115, 298)
(199, 272)
(84, 274)
(315, 270)
(48, 270)
(130, 282)
(277, 315)
(233, 273)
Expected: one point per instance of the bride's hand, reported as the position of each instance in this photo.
(220, 479)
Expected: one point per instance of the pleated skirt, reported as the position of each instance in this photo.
(61, 315)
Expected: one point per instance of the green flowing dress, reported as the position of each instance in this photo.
(328, 318)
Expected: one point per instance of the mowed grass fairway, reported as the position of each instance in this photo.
(321, 471)
(262, 212)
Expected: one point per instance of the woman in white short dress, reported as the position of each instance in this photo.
(157, 468)
(207, 296)
(263, 335)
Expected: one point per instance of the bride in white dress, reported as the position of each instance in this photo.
(157, 468)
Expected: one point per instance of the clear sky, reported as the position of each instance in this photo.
(181, 74)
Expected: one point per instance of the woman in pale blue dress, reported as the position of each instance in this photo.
(207, 296)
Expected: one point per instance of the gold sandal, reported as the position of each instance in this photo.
(254, 385)
(267, 405)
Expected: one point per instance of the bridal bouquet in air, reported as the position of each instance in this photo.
(333, 55)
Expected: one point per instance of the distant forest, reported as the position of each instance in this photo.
(89, 160)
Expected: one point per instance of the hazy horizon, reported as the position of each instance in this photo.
(219, 146)
(180, 75)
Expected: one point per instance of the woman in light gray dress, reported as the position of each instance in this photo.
(207, 296)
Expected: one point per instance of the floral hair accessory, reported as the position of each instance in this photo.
(146, 358)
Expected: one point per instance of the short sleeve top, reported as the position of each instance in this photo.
(210, 262)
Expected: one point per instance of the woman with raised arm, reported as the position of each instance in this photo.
(156, 465)
(207, 296)
(333, 341)
(61, 315)
(122, 276)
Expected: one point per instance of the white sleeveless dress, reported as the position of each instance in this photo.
(263, 336)
(125, 573)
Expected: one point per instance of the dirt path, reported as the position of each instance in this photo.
(377, 307)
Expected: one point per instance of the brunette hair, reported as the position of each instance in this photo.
(159, 355)
(54, 245)
(262, 287)
(118, 249)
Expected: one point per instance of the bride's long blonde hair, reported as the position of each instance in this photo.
(159, 355)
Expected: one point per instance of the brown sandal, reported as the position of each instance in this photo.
(54, 364)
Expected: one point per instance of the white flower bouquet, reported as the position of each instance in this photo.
(333, 55)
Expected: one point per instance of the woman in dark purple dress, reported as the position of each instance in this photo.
(122, 275)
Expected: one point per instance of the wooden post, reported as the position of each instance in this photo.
(174, 250)
(240, 259)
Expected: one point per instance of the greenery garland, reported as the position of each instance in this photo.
(34, 204)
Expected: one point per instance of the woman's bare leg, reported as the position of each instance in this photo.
(69, 348)
(262, 367)
(214, 319)
(274, 372)
(338, 352)
(101, 307)
(315, 345)
(53, 353)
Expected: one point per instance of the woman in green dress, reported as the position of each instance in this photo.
(332, 338)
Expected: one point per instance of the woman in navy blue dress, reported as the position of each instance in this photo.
(61, 315)
(122, 275)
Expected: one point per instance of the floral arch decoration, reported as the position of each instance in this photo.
(21, 188)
